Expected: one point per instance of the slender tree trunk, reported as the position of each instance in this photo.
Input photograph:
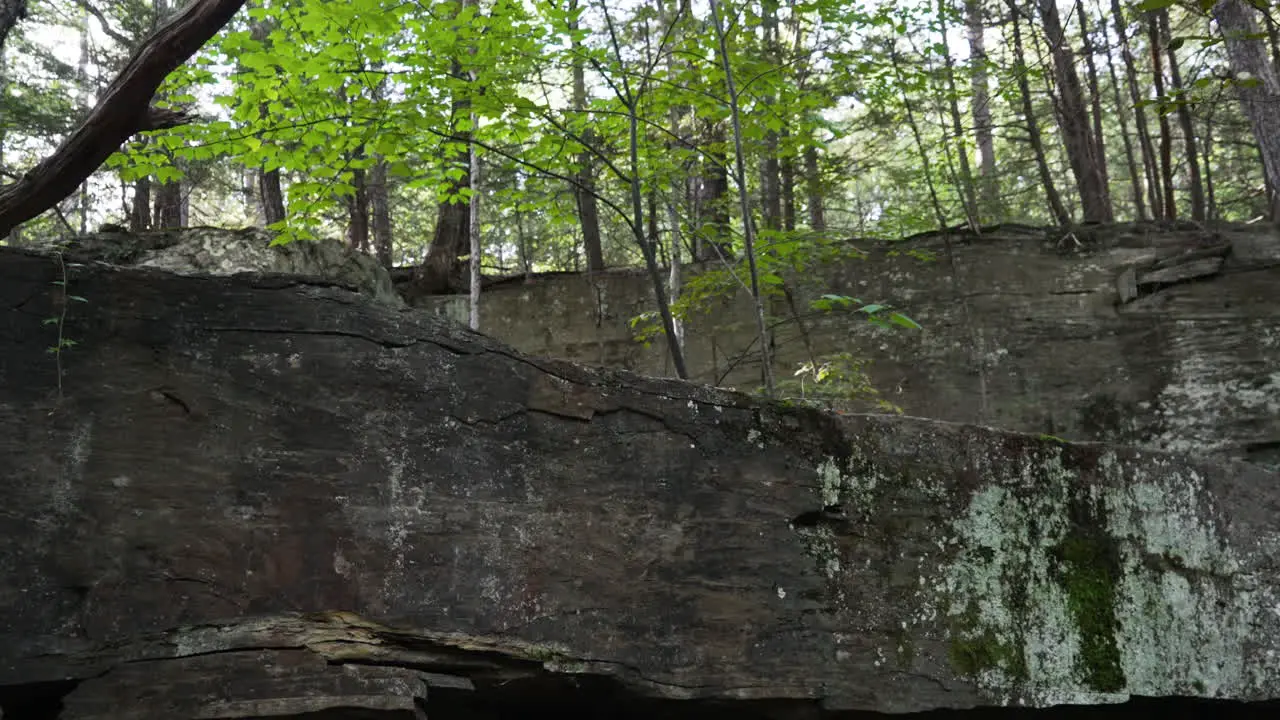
(788, 185)
(86, 102)
(584, 188)
(1082, 148)
(983, 126)
(1131, 163)
(770, 170)
(1155, 193)
(967, 190)
(1166, 131)
(1211, 205)
(1095, 97)
(1056, 207)
(270, 193)
(939, 214)
(762, 331)
(1260, 100)
(1194, 183)
(813, 190)
(674, 280)
(380, 210)
(473, 224)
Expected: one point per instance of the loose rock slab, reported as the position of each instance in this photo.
(258, 465)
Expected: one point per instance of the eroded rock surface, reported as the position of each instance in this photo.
(270, 497)
(1165, 336)
(218, 251)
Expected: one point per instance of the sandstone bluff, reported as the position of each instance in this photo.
(264, 496)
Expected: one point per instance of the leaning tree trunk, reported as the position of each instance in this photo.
(11, 11)
(123, 110)
(1260, 99)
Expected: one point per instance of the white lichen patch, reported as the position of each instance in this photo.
(1065, 592)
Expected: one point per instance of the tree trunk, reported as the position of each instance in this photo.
(1095, 98)
(1194, 183)
(358, 212)
(1166, 131)
(140, 215)
(1155, 193)
(770, 191)
(584, 188)
(1073, 114)
(11, 11)
(1206, 150)
(748, 233)
(984, 135)
(1260, 98)
(474, 250)
(788, 186)
(1135, 178)
(380, 209)
(271, 196)
(967, 190)
(1056, 206)
(1273, 36)
(925, 165)
(168, 211)
(714, 230)
(440, 272)
(813, 190)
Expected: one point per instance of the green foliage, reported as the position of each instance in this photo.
(839, 381)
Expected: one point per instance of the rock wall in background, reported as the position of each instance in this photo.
(1164, 337)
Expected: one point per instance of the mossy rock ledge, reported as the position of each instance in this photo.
(257, 496)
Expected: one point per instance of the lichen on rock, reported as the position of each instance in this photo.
(1069, 575)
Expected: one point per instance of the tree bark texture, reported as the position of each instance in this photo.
(1260, 97)
(983, 125)
(1073, 115)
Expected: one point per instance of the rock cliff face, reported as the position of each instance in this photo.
(254, 496)
(1166, 337)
